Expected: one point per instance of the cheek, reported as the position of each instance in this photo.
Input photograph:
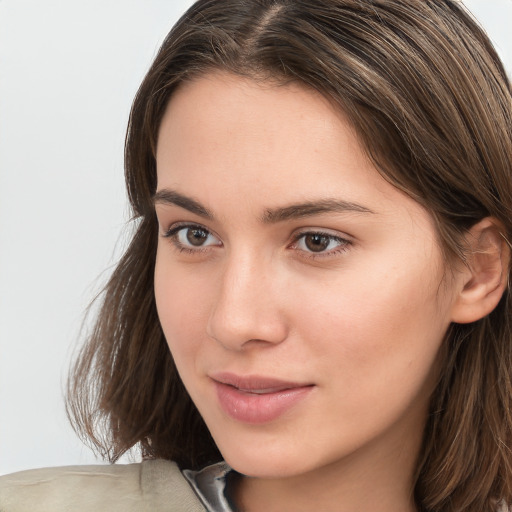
(182, 302)
(376, 330)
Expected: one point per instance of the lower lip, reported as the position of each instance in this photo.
(258, 408)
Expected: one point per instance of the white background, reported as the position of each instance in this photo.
(68, 72)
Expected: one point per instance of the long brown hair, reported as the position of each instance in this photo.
(430, 100)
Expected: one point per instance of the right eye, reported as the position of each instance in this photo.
(192, 237)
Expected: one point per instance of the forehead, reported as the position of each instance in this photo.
(258, 115)
(231, 141)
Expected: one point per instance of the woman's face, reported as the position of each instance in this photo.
(302, 296)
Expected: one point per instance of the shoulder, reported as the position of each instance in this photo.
(152, 486)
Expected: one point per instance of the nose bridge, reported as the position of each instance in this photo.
(247, 306)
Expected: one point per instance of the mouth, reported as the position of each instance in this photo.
(256, 399)
(262, 391)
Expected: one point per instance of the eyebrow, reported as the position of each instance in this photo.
(310, 208)
(271, 215)
(171, 197)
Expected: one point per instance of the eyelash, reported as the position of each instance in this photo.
(344, 244)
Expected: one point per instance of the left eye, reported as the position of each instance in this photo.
(319, 242)
(192, 237)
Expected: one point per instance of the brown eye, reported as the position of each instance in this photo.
(321, 244)
(316, 242)
(196, 236)
(192, 237)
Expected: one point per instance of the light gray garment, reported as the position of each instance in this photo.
(151, 486)
(210, 485)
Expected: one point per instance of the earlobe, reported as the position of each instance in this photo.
(485, 275)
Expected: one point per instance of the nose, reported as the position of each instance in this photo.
(249, 307)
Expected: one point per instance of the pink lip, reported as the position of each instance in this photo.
(255, 399)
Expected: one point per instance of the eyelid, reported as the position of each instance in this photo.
(332, 233)
(176, 226)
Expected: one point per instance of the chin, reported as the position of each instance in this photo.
(267, 462)
(263, 468)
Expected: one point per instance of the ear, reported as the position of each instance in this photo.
(484, 276)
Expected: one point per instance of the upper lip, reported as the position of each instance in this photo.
(256, 383)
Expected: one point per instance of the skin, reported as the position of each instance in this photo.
(361, 321)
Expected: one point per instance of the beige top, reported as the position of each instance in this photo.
(151, 486)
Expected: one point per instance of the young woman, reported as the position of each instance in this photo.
(314, 312)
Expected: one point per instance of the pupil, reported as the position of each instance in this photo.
(317, 243)
(196, 236)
